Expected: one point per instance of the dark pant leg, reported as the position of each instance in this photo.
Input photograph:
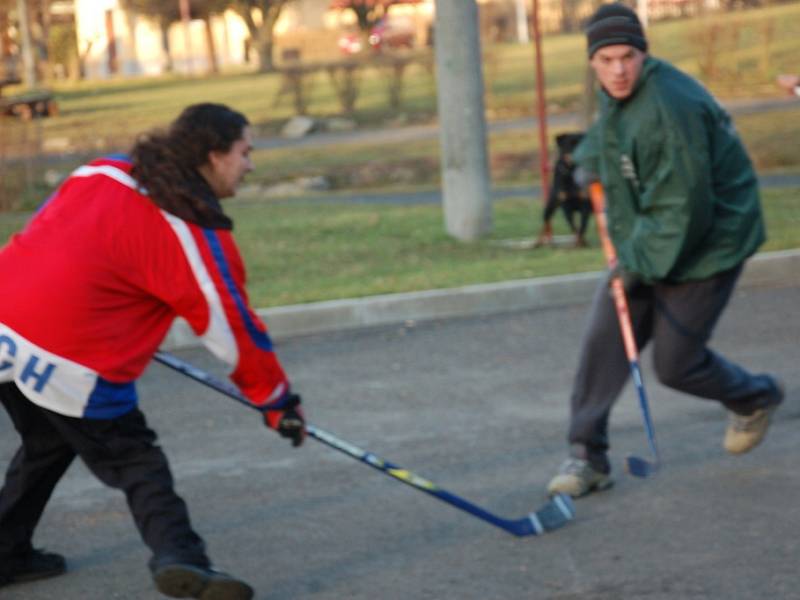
(122, 453)
(603, 369)
(586, 212)
(36, 468)
(686, 315)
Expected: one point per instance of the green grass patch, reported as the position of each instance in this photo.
(751, 48)
(737, 54)
(306, 251)
(303, 252)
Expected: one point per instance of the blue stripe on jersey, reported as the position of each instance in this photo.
(109, 400)
(261, 339)
(119, 157)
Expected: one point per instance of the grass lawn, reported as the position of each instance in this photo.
(749, 48)
(303, 251)
(755, 46)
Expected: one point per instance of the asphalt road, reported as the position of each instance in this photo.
(479, 407)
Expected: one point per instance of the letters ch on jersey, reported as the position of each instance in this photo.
(33, 374)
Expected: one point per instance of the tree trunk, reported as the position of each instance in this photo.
(568, 16)
(169, 66)
(264, 51)
(261, 36)
(28, 61)
(213, 64)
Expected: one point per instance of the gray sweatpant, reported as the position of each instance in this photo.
(679, 320)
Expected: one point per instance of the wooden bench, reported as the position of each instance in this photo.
(297, 77)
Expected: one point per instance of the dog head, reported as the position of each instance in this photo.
(567, 142)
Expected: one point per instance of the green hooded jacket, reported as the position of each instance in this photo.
(681, 193)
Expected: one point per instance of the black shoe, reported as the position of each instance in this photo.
(36, 564)
(189, 581)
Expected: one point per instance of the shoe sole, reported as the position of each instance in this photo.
(226, 589)
(598, 486)
(190, 582)
(11, 579)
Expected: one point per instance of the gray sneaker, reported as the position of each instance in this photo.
(576, 478)
(745, 432)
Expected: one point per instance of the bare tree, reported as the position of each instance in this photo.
(163, 14)
(29, 63)
(261, 34)
(205, 9)
(167, 13)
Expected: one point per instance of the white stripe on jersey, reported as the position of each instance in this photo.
(109, 171)
(218, 336)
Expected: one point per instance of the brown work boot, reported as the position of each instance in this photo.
(745, 432)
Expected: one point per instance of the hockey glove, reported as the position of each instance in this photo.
(584, 178)
(287, 418)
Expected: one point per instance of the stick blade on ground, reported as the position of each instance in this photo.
(639, 467)
(558, 511)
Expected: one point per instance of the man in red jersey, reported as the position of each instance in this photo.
(90, 289)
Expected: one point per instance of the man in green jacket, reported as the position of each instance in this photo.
(684, 214)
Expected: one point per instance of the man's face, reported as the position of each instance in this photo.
(617, 68)
(226, 170)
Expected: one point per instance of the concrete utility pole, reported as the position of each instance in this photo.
(459, 75)
(28, 62)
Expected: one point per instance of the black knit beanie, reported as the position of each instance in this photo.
(614, 24)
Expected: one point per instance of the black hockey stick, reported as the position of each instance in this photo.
(554, 514)
(635, 464)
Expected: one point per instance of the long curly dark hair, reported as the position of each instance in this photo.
(165, 163)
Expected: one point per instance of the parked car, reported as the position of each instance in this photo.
(393, 33)
(390, 33)
(350, 43)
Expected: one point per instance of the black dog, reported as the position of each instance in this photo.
(566, 193)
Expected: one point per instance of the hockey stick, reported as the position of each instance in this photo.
(635, 465)
(556, 513)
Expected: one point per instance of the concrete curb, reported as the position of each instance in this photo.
(772, 268)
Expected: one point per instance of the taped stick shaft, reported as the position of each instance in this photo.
(556, 513)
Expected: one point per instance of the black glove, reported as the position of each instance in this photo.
(629, 280)
(287, 419)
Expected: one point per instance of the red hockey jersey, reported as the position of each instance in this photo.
(91, 286)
